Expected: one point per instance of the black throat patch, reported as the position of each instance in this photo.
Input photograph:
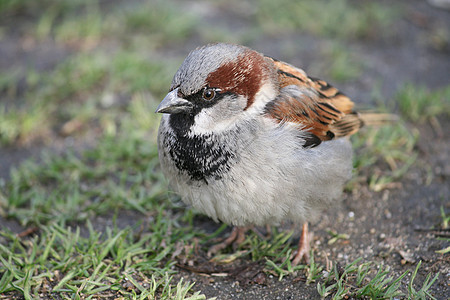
(202, 156)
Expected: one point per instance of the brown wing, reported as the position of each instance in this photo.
(322, 110)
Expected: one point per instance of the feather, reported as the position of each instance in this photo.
(377, 119)
(319, 107)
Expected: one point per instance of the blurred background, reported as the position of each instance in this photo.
(79, 83)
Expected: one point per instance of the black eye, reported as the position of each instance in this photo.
(208, 94)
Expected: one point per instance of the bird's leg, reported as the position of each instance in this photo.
(303, 246)
(240, 236)
(268, 231)
(236, 237)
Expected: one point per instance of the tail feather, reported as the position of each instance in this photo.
(377, 119)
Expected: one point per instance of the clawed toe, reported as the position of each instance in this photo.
(236, 237)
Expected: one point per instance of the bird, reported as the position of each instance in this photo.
(249, 140)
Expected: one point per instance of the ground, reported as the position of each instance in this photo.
(78, 88)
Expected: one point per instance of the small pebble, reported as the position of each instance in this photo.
(388, 214)
(107, 100)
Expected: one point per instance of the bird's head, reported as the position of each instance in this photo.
(219, 83)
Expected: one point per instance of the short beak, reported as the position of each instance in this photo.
(172, 104)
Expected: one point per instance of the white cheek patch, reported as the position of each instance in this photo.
(207, 123)
(227, 113)
(203, 123)
(221, 117)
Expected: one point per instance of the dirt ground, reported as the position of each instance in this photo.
(391, 227)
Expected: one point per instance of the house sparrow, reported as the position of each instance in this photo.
(250, 140)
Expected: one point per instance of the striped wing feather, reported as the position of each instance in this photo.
(322, 110)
